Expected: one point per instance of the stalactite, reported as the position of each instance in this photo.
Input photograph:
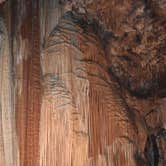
(82, 83)
(6, 101)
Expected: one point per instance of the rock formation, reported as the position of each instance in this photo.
(83, 83)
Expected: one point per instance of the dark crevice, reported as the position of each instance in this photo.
(151, 151)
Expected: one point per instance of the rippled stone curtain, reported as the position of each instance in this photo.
(82, 83)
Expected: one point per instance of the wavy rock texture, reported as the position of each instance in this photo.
(82, 83)
(132, 38)
(81, 109)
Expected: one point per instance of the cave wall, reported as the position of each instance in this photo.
(82, 83)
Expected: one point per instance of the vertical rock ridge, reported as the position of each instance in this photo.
(29, 98)
(80, 110)
(7, 130)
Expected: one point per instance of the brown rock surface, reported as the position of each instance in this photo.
(83, 83)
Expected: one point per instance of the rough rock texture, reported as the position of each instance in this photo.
(5, 107)
(133, 34)
(132, 37)
(7, 126)
(83, 83)
(77, 82)
(27, 81)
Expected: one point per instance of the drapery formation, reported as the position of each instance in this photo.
(82, 83)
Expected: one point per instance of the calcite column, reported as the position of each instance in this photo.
(7, 130)
(28, 80)
(84, 121)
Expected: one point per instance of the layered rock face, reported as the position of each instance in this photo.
(84, 119)
(133, 34)
(6, 101)
(83, 83)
